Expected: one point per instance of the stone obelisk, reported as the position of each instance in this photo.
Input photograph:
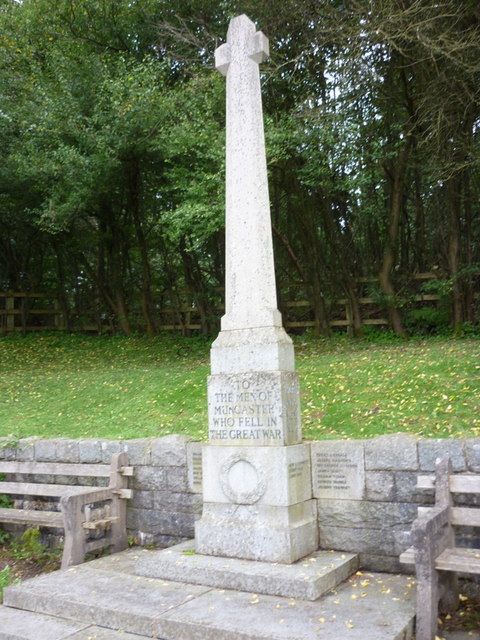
(256, 472)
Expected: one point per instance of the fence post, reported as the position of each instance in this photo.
(9, 309)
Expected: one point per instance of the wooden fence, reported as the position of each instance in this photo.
(42, 311)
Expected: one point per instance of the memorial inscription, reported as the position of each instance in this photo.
(197, 469)
(254, 408)
(338, 471)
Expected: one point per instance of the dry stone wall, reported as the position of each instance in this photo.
(367, 495)
(365, 489)
(163, 509)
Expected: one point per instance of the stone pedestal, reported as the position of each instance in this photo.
(257, 503)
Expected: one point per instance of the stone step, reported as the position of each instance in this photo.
(308, 578)
(25, 625)
(367, 605)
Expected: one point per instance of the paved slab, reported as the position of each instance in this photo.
(107, 593)
(23, 625)
(377, 607)
(308, 578)
(108, 599)
(460, 635)
(16, 624)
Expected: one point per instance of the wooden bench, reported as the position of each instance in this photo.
(437, 560)
(81, 511)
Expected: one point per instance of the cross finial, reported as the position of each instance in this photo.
(242, 41)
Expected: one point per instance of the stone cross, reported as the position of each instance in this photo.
(257, 494)
(248, 230)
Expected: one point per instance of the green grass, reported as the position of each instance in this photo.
(82, 387)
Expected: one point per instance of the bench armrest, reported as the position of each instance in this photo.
(431, 534)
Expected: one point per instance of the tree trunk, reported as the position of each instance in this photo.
(396, 174)
(453, 199)
(133, 198)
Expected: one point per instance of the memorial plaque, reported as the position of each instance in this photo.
(338, 470)
(254, 409)
(194, 467)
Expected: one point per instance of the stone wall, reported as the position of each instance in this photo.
(367, 496)
(162, 510)
(365, 489)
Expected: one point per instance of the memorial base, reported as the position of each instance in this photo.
(258, 532)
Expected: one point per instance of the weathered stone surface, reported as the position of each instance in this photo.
(67, 451)
(258, 532)
(142, 499)
(357, 539)
(256, 409)
(194, 467)
(250, 276)
(373, 606)
(182, 502)
(430, 450)
(170, 451)
(277, 476)
(7, 452)
(100, 633)
(25, 625)
(338, 469)
(387, 564)
(148, 478)
(90, 450)
(380, 486)
(393, 451)
(251, 350)
(472, 454)
(169, 523)
(139, 451)
(385, 611)
(26, 449)
(365, 514)
(176, 479)
(109, 447)
(46, 450)
(389, 541)
(406, 488)
(100, 597)
(308, 578)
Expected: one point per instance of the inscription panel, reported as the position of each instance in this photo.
(254, 409)
(194, 467)
(338, 470)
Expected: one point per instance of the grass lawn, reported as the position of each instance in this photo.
(81, 387)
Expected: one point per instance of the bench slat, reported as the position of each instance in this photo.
(460, 516)
(408, 556)
(34, 489)
(466, 516)
(56, 468)
(35, 518)
(456, 559)
(99, 524)
(463, 483)
(96, 545)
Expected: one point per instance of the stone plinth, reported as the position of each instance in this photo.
(257, 503)
(258, 532)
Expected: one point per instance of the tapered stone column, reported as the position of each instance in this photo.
(257, 484)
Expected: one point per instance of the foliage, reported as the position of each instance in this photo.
(29, 547)
(5, 580)
(112, 142)
(80, 387)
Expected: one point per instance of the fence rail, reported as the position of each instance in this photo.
(32, 311)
